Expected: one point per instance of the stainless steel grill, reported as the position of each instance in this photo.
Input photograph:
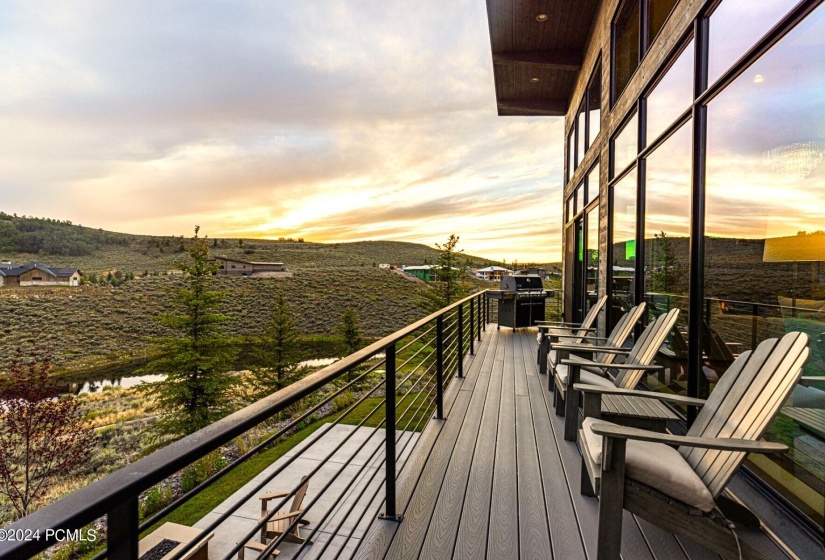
(521, 300)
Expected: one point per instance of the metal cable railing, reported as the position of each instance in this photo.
(419, 361)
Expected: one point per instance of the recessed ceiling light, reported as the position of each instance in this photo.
(542, 17)
(534, 80)
(758, 79)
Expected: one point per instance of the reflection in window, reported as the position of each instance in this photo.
(594, 104)
(626, 145)
(657, 12)
(580, 198)
(627, 45)
(623, 243)
(765, 245)
(593, 183)
(571, 210)
(667, 235)
(671, 96)
(571, 158)
(580, 127)
(592, 260)
(736, 25)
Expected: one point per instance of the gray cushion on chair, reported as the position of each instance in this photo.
(584, 377)
(656, 465)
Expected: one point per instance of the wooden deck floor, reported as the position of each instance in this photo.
(496, 479)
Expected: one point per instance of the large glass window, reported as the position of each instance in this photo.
(765, 245)
(580, 198)
(592, 260)
(594, 105)
(667, 240)
(736, 25)
(623, 244)
(626, 145)
(593, 183)
(626, 41)
(571, 150)
(582, 130)
(657, 12)
(671, 96)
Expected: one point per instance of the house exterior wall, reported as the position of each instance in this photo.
(756, 107)
(240, 268)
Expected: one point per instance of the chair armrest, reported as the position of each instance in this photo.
(690, 401)
(272, 495)
(582, 363)
(583, 337)
(590, 348)
(556, 323)
(725, 444)
(282, 515)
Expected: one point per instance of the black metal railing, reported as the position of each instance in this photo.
(404, 376)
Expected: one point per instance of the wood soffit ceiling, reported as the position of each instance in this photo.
(525, 48)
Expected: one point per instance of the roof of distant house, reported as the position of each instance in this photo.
(11, 270)
(493, 269)
(221, 258)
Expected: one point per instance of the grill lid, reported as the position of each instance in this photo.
(522, 283)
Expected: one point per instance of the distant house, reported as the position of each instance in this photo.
(237, 267)
(37, 274)
(493, 273)
(384, 266)
(423, 272)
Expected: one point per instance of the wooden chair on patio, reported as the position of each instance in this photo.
(552, 331)
(280, 522)
(615, 341)
(575, 369)
(680, 489)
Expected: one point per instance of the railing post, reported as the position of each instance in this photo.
(123, 534)
(461, 340)
(707, 311)
(479, 326)
(486, 308)
(472, 326)
(389, 460)
(754, 318)
(439, 368)
(485, 311)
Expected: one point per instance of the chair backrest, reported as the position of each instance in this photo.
(589, 320)
(714, 345)
(298, 500)
(645, 349)
(620, 333)
(746, 399)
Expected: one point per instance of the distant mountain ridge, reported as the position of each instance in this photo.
(62, 243)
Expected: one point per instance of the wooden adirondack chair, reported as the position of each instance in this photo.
(680, 489)
(279, 524)
(551, 331)
(574, 369)
(616, 340)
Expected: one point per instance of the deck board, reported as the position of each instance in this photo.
(497, 480)
(475, 513)
(503, 531)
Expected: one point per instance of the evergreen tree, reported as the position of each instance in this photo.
(447, 289)
(196, 390)
(277, 353)
(667, 273)
(349, 331)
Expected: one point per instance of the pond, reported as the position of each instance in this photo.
(125, 380)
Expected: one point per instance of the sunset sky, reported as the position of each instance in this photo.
(328, 120)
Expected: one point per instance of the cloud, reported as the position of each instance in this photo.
(327, 120)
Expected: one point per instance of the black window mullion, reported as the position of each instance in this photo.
(697, 385)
